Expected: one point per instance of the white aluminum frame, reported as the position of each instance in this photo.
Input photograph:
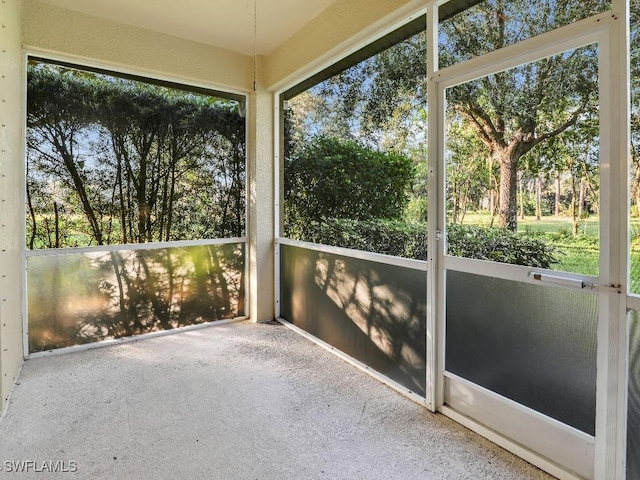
(633, 302)
(133, 338)
(602, 29)
(521, 425)
(359, 254)
(435, 334)
(49, 252)
(278, 171)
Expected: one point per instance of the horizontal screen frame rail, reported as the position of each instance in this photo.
(411, 263)
(132, 338)
(516, 273)
(133, 246)
(523, 408)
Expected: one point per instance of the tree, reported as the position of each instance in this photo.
(511, 112)
(514, 111)
(379, 102)
(512, 124)
(143, 163)
(57, 119)
(469, 170)
(574, 157)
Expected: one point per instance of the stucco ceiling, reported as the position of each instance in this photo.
(227, 24)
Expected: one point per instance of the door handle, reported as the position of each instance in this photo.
(574, 283)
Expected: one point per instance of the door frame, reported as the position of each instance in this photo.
(605, 451)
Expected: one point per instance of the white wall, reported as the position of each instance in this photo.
(261, 201)
(11, 197)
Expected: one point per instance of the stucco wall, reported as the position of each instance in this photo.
(261, 201)
(11, 197)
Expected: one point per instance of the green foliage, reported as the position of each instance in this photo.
(500, 245)
(409, 239)
(380, 101)
(343, 179)
(389, 237)
(116, 161)
(493, 24)
(416, 210)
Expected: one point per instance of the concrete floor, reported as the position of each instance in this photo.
(235, 401)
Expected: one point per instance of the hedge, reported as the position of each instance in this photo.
(405, 239)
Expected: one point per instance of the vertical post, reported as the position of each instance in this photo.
(278, 191)
(435, 338)
(612, 331)
(261, 202)
(11, 197)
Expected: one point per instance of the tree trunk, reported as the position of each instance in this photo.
(32, 215)
(123, 208)
(521, 191)
(557, 207)
(492, 191)
(538, 198)
(493, 205)
(637, 188)
(582, 198)
(56, 224)
(80, 188)
(463, 202)
(508, 190)
(574, 206)
(141, 199)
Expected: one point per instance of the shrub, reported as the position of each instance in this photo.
(409, 239)
(390, 237)
(332, 178)
(416, 210)
(500, 245)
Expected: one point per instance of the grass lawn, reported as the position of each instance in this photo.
(575, 255)
(588, 227)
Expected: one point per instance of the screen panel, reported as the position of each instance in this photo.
(114, 160)
(79, 298)
(354, 171)
(535, 345)
(372, 311)
(522, 164)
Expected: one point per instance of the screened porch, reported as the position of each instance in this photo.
(275, 217)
